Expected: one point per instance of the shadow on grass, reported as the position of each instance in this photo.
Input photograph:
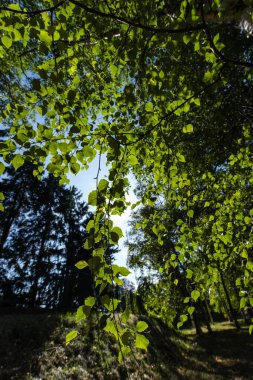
(27, 353)
(231, 352)
(225, 354)
(23, 337)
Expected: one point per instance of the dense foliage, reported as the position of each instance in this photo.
(164, 89)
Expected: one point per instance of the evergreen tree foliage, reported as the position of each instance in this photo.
(42, 237)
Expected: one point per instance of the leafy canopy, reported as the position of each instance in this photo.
(161, 88)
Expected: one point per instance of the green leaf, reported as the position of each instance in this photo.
(109, 303)
(188, 128)
(92, 198)
(88, 151)
(249, 265)
(190, 213)
(133, 160)
(14, 6)
(243, 302)
(124, 271)
(111, 327)
(6, 41)
(161, 74)
(181, 158)
(103, 184)
(125, 350)
(216, 38)
(195, 294)
(82, 313)
(90, 225)
(125, 315)
(81, 264)
(70, 336)
(149, 107)
(244, 254)
(141, 326)
(141, 342)
(113, 69)
(186, 38)
(17, 161)
(115, 234)
(118, 231)
(183, 319)
(45, 37)
(90, 301)
(2, 168)
(208, 77)
(189, 273)
(191, 310)
(247, 220)
(173, 257)
(196, 46)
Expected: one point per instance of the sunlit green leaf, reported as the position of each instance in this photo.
(92, 198)
(149, 107)
(81, 264)
(17, 161)
(6, 41)
(141, 326)
(103, 184)
(195, 294)
(141, 342)
(70, 336)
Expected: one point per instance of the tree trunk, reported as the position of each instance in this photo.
(39, 260)
(206, 316)
(196, 324)
(231, 309)
(209, 312)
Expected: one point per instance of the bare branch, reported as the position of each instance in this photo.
(214, 48)
(136, 24)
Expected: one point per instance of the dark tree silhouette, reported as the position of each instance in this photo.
(42, 232)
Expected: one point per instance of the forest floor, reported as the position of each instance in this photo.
(32, 348)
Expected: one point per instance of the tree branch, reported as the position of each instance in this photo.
(214, 48)
(136, 24)
(172, 112)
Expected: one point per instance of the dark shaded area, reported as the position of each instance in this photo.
(42, 232)
(230, 352)
(225, 354)
(32, 346)
(23, 338)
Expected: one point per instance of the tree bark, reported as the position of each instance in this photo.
(231, 309)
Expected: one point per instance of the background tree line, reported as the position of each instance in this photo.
(42, 232)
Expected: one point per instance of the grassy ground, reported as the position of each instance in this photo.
(32, 348)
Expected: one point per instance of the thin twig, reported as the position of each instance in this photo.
(214, 48)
